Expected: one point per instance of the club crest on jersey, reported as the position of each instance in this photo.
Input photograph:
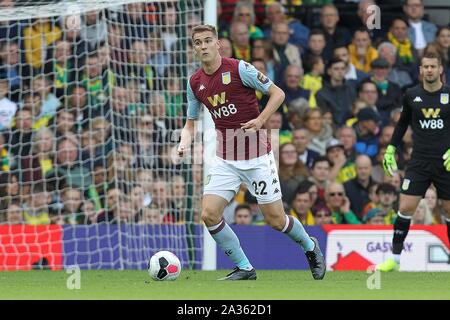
(444, 98)
(226, 77)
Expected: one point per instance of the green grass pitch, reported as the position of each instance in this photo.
(199, 285)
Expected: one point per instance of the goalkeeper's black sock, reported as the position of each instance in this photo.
(401, 228)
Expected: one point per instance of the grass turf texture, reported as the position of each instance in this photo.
(198, 285)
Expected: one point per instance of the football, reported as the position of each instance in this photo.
(164, 265)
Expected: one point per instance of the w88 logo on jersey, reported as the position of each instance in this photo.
(219, 107)
(432, 124)
(431, 120)
(224, 111)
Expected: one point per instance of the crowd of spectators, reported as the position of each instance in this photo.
(344, 85)
(89, 113)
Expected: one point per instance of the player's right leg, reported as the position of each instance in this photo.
(220, 187)
(213, 206)
(408, 205)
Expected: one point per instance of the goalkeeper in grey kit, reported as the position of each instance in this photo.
(426, 108)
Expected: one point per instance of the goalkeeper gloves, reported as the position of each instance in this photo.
(389, 163)
(446, 158)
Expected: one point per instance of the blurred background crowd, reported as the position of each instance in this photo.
(91, 109)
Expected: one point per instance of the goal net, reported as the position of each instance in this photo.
(92, 102)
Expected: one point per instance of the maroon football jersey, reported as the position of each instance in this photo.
(229, 95)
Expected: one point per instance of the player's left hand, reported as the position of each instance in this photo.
(446, 158)
(252, 125)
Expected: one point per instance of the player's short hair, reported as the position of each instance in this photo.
(203, 28)
(431, 55)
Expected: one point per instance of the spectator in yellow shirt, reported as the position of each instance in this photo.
(312, 81)
(38, 38)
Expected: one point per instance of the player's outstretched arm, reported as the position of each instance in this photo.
(186, 137)
(276, 98)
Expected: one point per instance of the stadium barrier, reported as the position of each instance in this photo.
(107, 246)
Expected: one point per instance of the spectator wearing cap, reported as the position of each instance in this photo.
(8, 108)
(389, 93)
(420, 32)
(339, 204)
(367, 132)
(341, 169)
(397, 75)
(336, 96)
(322, 214)
(374, 217)
(357, 189)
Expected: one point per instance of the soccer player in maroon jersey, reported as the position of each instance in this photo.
(227, 88)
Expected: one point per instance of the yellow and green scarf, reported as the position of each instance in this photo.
(404, 49)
